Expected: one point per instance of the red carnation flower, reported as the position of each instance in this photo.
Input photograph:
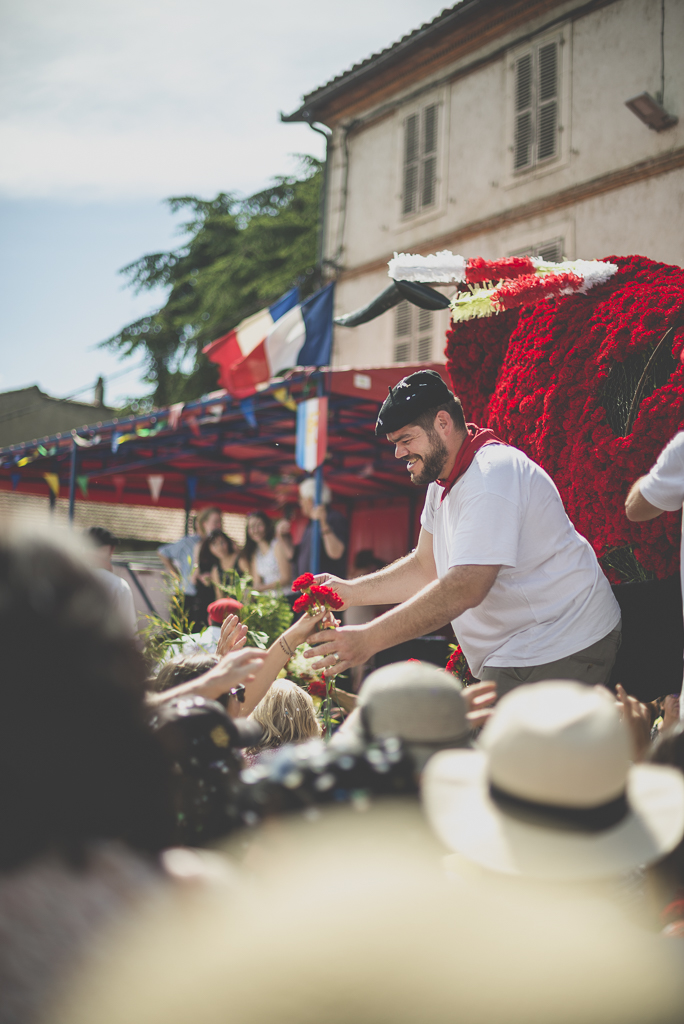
(327, 596)
(302, 582)
(317, 688)
(303, 603)
(479, 269)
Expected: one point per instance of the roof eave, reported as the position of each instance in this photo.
(316, 100)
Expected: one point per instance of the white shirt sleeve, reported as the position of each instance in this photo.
(486, 532)
(427, 516)
(664, 485)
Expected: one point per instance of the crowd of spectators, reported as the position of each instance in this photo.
(552, 816)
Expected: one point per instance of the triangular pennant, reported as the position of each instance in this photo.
(191, 485)
(247, 410)
(115, 441)
(119, 484)
(283, 396)
(83, 442)
(234, 479)
(82, 482)
(52, 480)
(175, 412)
(155, 484)
(194, 425)
(15, 478)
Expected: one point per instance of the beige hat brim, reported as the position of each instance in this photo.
(456, 796)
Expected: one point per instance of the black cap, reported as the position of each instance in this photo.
(409, 398)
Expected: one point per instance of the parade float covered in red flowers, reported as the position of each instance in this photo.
(578, 365)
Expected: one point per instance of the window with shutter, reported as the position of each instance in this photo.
(550, 252)
(536, 98)
(420, 159)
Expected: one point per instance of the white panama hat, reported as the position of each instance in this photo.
(550, 793)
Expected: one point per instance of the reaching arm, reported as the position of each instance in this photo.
(637, 508)
(393, 584)
(169, 566)
(463, 587)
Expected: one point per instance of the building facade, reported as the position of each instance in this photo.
(500, 128)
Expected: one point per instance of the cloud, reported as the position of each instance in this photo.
(134, 98)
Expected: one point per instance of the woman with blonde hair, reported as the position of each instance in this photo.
(287, 714)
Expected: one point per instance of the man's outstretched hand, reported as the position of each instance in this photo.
(336, 650)
(340, 587)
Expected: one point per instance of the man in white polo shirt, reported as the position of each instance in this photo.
(661, 490)
(497, 555)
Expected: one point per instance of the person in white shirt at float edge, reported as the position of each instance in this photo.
(661, 490)
(497, 555)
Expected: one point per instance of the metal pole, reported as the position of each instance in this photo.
(316, 526)
(72, 481)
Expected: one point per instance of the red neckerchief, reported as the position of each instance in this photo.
(477, 438)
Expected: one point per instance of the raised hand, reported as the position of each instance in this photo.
(233, 636)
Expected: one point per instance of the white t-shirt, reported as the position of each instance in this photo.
(122, 598)
(664, 488)
(550, 598)
(664, 485)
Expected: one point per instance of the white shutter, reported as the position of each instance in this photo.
(429, 168)
(524, 107)
(403, 330)
(547, 104)
(411, 162)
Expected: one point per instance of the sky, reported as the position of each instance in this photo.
(107, 107)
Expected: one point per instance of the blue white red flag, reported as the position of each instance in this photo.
(287, 334)
(312, 433)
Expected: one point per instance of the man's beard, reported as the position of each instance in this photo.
(433, 462)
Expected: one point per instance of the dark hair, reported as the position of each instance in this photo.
(669, 749)
(207, 559)
(426, 420)
(365, 559)
(78, 761)
(101, 537)
(182, 669)
(250, 546)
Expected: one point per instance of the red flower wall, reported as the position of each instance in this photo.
(536, 376)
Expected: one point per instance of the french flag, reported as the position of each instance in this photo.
(289, 333)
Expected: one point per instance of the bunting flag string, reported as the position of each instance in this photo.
(155, 484)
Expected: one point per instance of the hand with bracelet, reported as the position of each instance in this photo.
(277, 657)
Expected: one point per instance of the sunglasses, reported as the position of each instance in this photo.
(238, 692)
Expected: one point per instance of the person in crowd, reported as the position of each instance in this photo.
(286, 715)
(666, 877)
(104, 544)
(661, 490)
(421, 705)
(333, 532)
(497, 555)
(267, 552)
(212, 684)
(182, 669)
(85, 791)
(204, 744)
(552, 793)
(180, 558)
(216, 563)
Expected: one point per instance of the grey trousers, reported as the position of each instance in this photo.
(591, 666)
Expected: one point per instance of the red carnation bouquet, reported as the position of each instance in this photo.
(313, 599)
(459, 666)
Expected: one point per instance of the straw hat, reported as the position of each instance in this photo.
(551, 794)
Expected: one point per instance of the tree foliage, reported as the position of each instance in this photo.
(240, 255)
